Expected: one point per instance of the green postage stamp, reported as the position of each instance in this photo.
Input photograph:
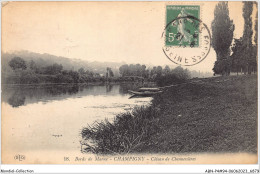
(182, 25)
(187, 39)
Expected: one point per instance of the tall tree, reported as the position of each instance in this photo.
(143, 71)
(109, 73)
(237, 55)
(247, 36)
(222, 36)
(256, 26)
(166, 69)
(256, 39)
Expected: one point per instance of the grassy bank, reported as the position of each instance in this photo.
(211, 115)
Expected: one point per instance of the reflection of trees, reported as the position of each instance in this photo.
(16, 95)
(38, 93)
(59, 89)
(17, 99)
(56, 90)
(81, 88)
(73, 89)
(108, 88)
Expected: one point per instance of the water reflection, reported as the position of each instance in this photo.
(50, 117)
(17, 99)
(19, 95)
(108, 88)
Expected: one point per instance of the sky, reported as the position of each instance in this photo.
(100, 31)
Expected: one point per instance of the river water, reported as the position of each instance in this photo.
(51, 117)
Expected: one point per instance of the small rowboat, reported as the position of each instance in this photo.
(144, 93)
(149, 89)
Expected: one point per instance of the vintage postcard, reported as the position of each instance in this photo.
(129, 82)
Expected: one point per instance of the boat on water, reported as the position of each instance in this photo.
(144, 93)
(149, 89)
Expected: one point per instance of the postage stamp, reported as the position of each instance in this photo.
(182, 31)
(187, 39)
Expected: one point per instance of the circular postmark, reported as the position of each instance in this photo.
(187, 40)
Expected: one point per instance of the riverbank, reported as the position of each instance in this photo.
(145, 84)
(31, 78)
(212, 115)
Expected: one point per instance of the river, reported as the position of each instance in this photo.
(51, 117)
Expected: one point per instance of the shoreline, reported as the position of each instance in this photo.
(90, 83)
(196, 117)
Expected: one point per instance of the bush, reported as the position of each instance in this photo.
(169, 79)
(28, 77)
(126, 134)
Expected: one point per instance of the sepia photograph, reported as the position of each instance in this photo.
(129, 82)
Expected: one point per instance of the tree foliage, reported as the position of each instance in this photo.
(222, 36)
(32, 65)
(247, 36)
(177, 75)
(133, 70)
(256, 27)
(53, 69)
(81, 71)
(109, 73)
(237, 57)
(247, 14)
(244, 52)
(17, 63)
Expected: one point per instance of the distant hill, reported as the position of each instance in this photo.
(42, 60)
(45, 59)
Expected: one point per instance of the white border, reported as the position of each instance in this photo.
(128, 168)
